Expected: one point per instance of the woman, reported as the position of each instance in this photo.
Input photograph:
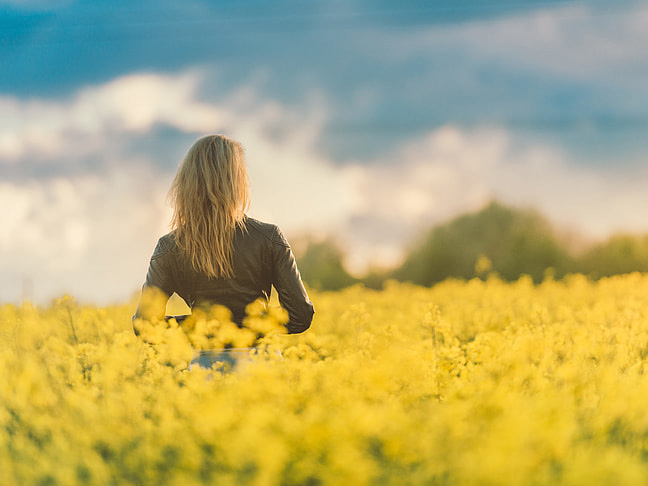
(215, 254)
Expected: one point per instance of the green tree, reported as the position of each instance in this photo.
(515, 241)
(619, 254)
(321, 267)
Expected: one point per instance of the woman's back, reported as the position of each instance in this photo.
(261, 257)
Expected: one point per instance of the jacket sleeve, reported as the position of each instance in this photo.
(157, 288)
(287, 280)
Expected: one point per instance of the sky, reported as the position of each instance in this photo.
(363, 121)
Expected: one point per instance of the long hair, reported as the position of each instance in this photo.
(210, 196)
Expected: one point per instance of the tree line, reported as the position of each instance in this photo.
(499, 239)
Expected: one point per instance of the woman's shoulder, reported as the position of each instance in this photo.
(269, 231)
(165, 245)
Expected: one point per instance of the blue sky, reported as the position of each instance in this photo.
(376, 119)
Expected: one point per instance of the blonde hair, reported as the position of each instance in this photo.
(210, 196)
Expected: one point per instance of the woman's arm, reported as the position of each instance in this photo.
(157, 288)
(287, 280)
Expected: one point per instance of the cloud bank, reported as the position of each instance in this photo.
(90, 231)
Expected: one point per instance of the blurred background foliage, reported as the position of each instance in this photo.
(501, 240)
(322, 268)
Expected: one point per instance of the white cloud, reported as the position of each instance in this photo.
(572, 41)
(452, 171)
(92, 233)
(43, 129)
(285, 170)
(291, 184)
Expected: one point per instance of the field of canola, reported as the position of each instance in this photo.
(466, 383)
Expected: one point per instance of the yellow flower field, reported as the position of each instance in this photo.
(466, 383)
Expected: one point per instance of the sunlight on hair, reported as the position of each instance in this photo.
(210, 194)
